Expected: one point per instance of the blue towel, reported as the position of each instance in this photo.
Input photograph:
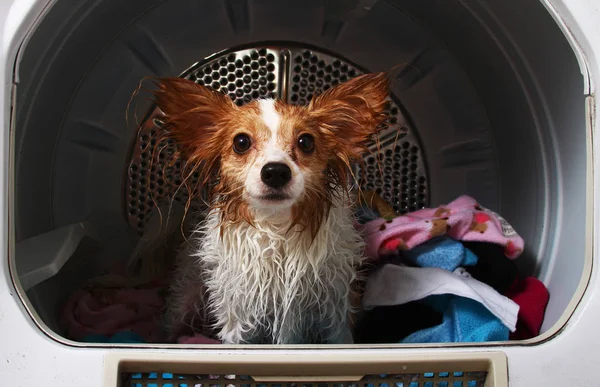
(444, 253)
(125, 337)
(464, 321)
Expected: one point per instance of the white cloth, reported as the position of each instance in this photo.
(396, 285)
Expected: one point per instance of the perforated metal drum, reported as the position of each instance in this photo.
(394, 167)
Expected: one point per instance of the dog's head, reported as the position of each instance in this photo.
(270, 156)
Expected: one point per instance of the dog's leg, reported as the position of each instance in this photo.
(338, 329)
(154, 253)
(337, 312)
(186, 311)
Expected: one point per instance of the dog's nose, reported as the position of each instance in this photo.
(276, 175)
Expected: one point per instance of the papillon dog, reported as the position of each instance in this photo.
(276, 256)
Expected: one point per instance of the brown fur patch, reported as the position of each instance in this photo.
(402, 246)
(372, 200)
(204, 123)
(439, 227)
(479, 227)
(441, 212)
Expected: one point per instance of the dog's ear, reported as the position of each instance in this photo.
(194, 116)
(350, 113)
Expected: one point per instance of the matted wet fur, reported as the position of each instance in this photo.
(271, 263)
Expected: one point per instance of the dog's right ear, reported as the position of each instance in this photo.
(350, 113)
(194, 115)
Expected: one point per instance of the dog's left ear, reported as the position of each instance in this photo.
(350, 113)
(194, 116)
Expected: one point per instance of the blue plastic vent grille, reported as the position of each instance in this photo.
(427, 379)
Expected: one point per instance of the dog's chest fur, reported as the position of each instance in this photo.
(266, 284)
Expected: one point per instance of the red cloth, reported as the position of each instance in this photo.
(532, 297)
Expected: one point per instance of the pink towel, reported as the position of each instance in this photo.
(111, 307)
(197, 339)
(107, 311)
(463, 219)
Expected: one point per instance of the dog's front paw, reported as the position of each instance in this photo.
(342, 334)
(233, 333)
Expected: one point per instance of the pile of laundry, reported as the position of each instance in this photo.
(437, 275)
(443, 275)
(127, 303)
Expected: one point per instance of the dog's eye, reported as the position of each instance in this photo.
(241, 143)
(306, 143)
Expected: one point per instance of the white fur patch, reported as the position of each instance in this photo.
(272, 152)
(268, 285)
(270, 117)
